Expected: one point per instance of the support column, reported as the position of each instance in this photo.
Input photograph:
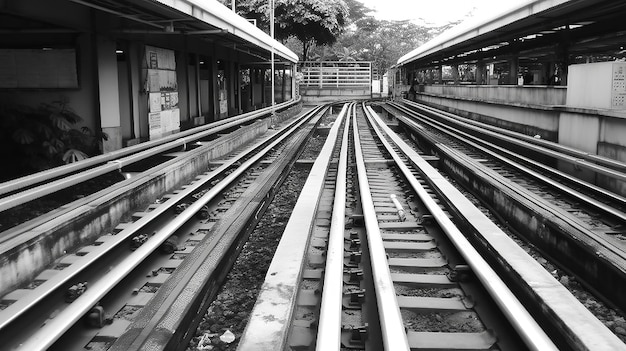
(439, 71)
(133, 57)
(215, 89)
(480, 72)
(455, 74)
(108, 93)
(513, 69)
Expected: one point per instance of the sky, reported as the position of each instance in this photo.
(437, 12)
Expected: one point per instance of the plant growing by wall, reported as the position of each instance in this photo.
(33, 139)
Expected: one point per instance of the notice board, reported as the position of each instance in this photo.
(162, 89)
(38, 68)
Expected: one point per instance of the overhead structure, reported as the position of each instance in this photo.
(202, 18)
(563, 31)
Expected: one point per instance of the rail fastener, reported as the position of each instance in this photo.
(204, 212)
(96, 317)
(75, 291)
(170, 245)
(137, 241)
(460, 273)
(181, 207)
(354, 336)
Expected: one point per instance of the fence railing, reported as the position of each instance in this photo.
(338, 74)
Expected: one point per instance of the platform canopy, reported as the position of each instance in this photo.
(207, 19)
(530, 30)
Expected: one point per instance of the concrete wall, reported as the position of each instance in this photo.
(488, 104)
(539, 110)
(313, 95)
(82, 101)
(512, 94)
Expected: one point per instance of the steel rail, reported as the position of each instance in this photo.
(582, 329)
(620, 166)
(532, 334)
(329, 326)
(491, 149)
(168, 142)
(52, 330)
(391, 323)
(610, 172)
(16, 309)
(269, 320)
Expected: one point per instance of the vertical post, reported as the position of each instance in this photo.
(480, 72)
(272, 54)
(455, 73)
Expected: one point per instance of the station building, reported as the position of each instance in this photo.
(554, 69)
(139, 70)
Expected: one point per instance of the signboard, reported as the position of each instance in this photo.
(162, 89)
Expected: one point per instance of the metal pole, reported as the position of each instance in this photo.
(272, 55)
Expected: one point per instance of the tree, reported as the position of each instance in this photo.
(312, 22)
(329, 30)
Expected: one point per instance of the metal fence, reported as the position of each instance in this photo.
(336, 74)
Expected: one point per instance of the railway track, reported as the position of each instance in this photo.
(89, 297)
(386, 267)
(380, 253)
(577, 224)
(47, 214)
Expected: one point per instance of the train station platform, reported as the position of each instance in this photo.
(551, 69)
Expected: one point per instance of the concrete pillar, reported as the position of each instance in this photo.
(513, 68)
(108, 93)
(214, 90)
(480, 72)
(439, 74)
(135, 55)
(294, 85)
(455, 74)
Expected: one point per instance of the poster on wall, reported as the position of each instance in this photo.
(154, 122)
(162, 90)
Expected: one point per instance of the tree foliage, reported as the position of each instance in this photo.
(338, 30)
(312, 22)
